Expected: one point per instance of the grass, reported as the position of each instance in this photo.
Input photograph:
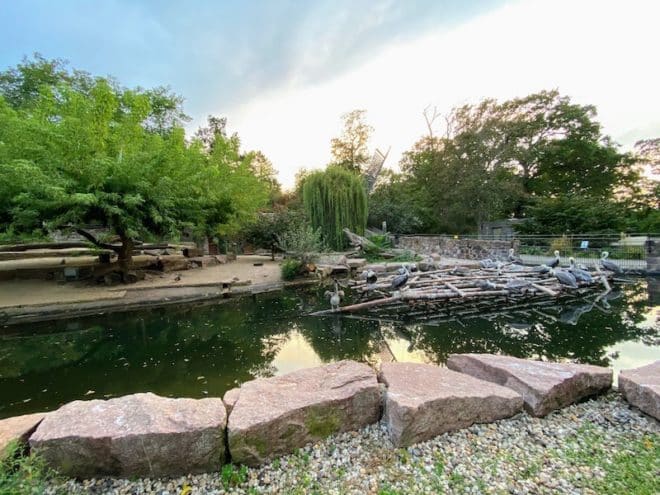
(232, 475)
(22, 474)
(632, 468)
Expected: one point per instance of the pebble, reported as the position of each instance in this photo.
(513, 456)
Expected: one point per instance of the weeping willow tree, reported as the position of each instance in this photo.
(335, 199)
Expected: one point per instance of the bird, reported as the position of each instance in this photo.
(370, 276)
(579, 274)
(555, 261)
(516, 260)
(486, 285)
(542, 268)
(565, 278)
(516, 284)
(335, 296)
(486, 263)
(609, 265)
(401, 279)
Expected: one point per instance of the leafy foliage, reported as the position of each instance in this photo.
(301, 240)
(291, 268)
(75, 149)
(350, 149)
(335, 199)
(22, 474)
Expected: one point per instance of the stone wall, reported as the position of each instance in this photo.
(470, 249)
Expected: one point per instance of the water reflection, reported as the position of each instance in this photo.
(198, 351)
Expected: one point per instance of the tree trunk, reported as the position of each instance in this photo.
(125, 255)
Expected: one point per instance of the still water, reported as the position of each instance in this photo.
(199, 351)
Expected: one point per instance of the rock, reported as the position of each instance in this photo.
(423, 401)
(275, 416)
(140, 434)
(641, 387)
(18, 428)
(544, 386)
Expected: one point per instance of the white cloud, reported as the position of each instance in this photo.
(598, 52)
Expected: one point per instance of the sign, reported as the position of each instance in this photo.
(584, 245)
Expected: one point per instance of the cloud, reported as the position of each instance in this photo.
(597, 52)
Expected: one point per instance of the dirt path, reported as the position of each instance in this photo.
(34, 293)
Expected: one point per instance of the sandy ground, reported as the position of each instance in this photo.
(22, 293)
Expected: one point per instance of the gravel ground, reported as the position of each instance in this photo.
(599, 446)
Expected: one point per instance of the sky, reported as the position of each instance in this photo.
(283, 72)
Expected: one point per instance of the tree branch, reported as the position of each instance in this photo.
(90, 237)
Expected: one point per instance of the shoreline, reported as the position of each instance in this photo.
(585, 448)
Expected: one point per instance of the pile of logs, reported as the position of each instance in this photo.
(453, 287)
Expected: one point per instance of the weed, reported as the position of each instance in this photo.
(23, 474)
(233, 476)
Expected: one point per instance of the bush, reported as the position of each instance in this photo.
(22, 474)
(302, 241)
(291, 268)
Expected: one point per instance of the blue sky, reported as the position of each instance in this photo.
(227, 50)
(284, 71)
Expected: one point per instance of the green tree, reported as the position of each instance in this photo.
(396, 201)
(76, 150)
(335, 199)
(350, 149)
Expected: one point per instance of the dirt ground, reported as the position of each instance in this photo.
(18, 293)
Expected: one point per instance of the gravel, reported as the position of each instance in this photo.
(520, 455)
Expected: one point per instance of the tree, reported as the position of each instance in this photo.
(76, 149)
(350, 149)
(335, 199)
(396, 202)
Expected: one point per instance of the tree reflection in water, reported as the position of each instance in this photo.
(198, 351)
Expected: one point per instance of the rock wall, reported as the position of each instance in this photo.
(470, 249)
(143, 434)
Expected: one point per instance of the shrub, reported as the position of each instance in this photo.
(23, 474)
(291, 268)
(301, 241)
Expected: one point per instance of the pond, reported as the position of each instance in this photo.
(204, 350)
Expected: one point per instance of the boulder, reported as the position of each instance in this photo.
(18, 428)
(641, 387)
(544, 386)
(135, 435)
(274, 416)
(423, 401)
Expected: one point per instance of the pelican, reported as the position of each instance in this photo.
(516, 284)
(609, 265)
(516, 260)
(555, 262)
(401, 279)
(542, 269)
(370, 276)
(486, 285)
(335, 297)
(579, 274)
(487, 263)
(565, 278)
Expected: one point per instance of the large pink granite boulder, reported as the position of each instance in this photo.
(641, 387)
(544, 386)
(423, 401)
(17, 429)
(274, 416)
(140, 434)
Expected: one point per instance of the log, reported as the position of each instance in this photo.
(356, 307)
(44, 245)
(361, 242)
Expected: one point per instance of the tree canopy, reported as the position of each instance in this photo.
(77, 149)
(499, 159)
(350, 149)
(334, 199)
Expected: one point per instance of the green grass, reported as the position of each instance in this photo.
(632, 468)
(22, 474)
(232, 475)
